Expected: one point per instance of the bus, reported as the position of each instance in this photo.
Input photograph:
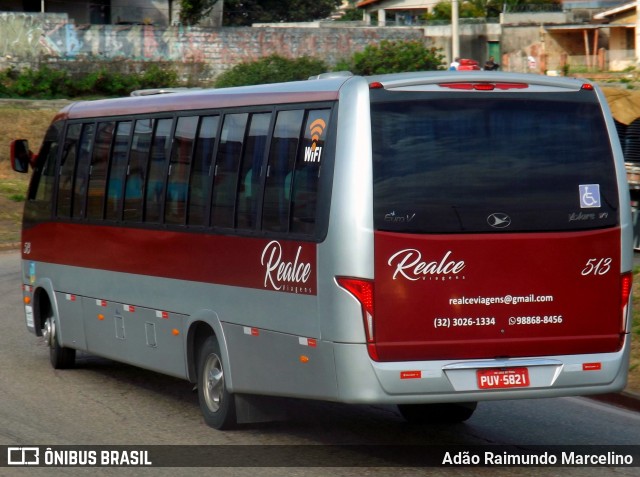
(426, 240)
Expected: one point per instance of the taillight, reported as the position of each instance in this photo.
(484, 86)
(362, 290)
(626, 286)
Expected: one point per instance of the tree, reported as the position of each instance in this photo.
(271, 69)
(394, 57)
(479, 8)
(192, 11)
(351, 13)
(247, 12)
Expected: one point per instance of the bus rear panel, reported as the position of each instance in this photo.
(501, 240)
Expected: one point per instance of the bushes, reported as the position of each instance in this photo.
(271, 69)
(394, 57)
(49, 83)
(387, 57)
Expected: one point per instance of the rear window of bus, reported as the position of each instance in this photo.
(444, 163)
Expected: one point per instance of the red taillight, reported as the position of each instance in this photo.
(587, 86)
(626, 286)
(376, 85)
(484, 86)
(362, 290)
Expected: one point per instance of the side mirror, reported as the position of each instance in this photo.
(21, 156)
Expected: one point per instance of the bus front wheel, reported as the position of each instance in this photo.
(441, 413)
(59, 356)
(216, 403)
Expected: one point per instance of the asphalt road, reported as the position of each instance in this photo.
(105, 403)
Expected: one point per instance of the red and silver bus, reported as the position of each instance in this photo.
(427, 240)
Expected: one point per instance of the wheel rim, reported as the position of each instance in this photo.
(49, 331)
(213, 382)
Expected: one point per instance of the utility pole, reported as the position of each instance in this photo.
(637, 32)
(455, 35)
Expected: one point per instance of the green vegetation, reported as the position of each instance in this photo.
(247, 12)
(386, 57)
(272, 69)
(192, 11)
(50, 83)
(394, 57)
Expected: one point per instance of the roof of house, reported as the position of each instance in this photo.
(613, 11)
(364, 3)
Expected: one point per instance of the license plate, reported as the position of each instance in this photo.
(503, 378)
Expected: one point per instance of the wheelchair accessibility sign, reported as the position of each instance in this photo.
(589, 196)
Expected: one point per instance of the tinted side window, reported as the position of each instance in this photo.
(98, 170)
(178, 181)
(67, 170)
(118, 170)
(42, 186)
(307, 173)
(226, 170)
(82, 170)
(157, 170)
(136, 171)
(201, 171)
(253, 157)
(282, 158)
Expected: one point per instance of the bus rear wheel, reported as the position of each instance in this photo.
(216, 403)
(59, 356)
(441, 413)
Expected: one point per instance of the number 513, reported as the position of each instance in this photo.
(597, 266)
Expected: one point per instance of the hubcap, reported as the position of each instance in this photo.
(49, 332)
(213, 382)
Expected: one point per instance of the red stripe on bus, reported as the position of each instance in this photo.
(275, 265)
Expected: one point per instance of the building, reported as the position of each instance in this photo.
(112, 12)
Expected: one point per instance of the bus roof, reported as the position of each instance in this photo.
(278, 93)
(320, 88)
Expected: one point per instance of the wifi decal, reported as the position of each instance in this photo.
(314, 152)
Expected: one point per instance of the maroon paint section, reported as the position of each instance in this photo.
(284, 266)
(487, 296)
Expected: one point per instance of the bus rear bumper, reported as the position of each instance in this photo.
(361, 380)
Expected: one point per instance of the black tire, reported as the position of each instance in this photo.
(445, 413)
(216, 403)
(59, 356)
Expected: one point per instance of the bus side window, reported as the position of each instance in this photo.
(67, 169)
(282, 158)
(179, 166)
(136, 171)
(157, 171)
(307, 173)
(201, 171)
(117, 170)
(226, 170)
(250, 171)
(98, 170)
(82, 170)
(42, 186)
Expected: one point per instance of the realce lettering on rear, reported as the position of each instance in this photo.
(409, 264)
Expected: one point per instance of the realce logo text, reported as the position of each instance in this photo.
(408, 263)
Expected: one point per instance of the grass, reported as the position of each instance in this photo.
(18, 120)
(30, 121)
